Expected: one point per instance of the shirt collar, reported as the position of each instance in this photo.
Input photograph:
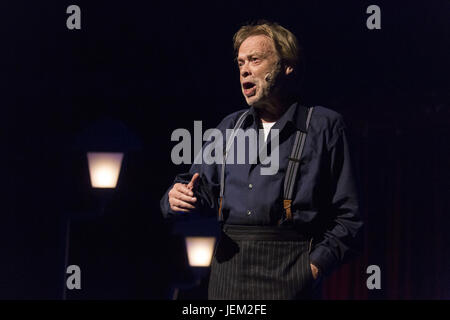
(291, 116)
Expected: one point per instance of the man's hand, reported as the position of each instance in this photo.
(181, 196)
(315, 271)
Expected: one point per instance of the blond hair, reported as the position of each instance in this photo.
(286, 44)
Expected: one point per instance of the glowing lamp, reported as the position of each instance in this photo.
(200, 250)
(104, 168)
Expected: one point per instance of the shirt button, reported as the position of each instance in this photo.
(250, 186)
(249, 212)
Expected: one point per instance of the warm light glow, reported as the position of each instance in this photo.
(200, 250)
(104, 168)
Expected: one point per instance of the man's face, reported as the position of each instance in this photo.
(259, 68)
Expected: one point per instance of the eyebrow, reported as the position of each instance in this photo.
(253, 53)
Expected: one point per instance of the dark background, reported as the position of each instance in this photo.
(153, 67)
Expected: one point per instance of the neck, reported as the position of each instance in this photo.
(272, 110)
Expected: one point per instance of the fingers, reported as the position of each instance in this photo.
(174, 207)
(193, 181)
(180, 205)
(181, 198)
(180, 187)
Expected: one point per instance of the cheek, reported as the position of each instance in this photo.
(262, 73)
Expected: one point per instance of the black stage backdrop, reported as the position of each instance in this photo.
(151, 67)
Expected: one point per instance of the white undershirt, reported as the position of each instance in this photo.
(266, 127)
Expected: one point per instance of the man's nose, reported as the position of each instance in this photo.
(245, 71)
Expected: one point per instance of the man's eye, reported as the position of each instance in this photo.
(255, 60)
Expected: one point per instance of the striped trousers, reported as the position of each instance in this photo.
(261, 262)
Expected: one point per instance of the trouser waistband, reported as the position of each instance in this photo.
(273, 233)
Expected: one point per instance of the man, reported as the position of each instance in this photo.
(282, 231)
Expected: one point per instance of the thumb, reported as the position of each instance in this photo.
(193, 181)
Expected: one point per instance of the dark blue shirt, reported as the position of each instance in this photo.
(325, 201)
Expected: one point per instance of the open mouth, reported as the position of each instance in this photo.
(249, 88)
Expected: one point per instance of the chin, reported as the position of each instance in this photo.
(252, 101)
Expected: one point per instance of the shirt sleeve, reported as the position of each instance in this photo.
(342, 237)
(206, 191)
(208, 188)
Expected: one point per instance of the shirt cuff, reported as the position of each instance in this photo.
(324, 259)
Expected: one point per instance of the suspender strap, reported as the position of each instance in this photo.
(230, 142)
(292, 169)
